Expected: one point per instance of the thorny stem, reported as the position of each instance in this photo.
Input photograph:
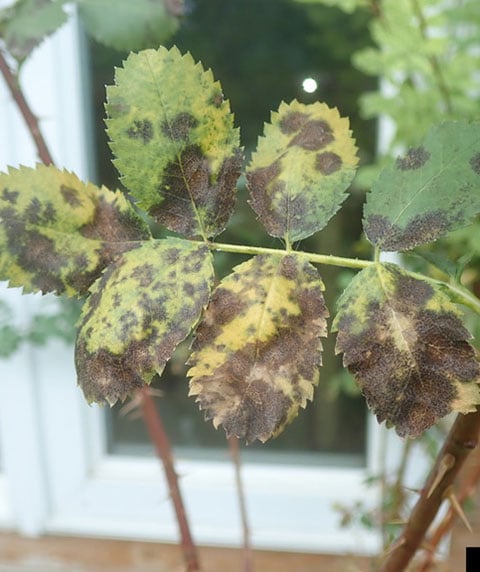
(151, 417)
(467, 489)
(461, 441)
(160, 439)
(11, 80)
(247, 548)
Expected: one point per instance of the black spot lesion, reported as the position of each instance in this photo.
(10, 196)
(71, 196)
(475, 163)
(421, 229)
(141, 129)
(328, 162)
(414, 159)
(313, 136)
(292, 122)
(144, 274)
(179, 128)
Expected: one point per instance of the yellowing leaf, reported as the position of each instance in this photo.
(142, 307)
(57, 233)
(301, 169)
(403, 340)
(257, 350)
(173, 137)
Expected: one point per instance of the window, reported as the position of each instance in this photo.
(77, 463)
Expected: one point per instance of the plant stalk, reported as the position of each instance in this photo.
(161, 442)
(461, 441)
(247, 548)
(31, 120)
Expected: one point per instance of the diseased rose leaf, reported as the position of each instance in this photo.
(433, 189)
(301, 169)
(173, 137)
(404, 341)
(136, 24)
(25, 24)
(142, 307)
(257, 351)
(57, 234)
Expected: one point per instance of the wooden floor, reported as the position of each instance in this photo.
(58, 554)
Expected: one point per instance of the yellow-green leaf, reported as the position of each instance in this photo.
(57, 233)
(257, 350)
(141, 308)
(301, 169)
(173, 137)
(404, 341)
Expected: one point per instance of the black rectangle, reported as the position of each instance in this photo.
(473, 559)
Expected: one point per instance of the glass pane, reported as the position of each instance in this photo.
(263, 52)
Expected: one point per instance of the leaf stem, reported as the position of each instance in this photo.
(312, 257)
(11, 80)
(247, 548)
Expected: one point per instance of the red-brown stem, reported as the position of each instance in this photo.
(161, 442)
(461, 441)
(467, 490)
(30, 119)
(247, 548)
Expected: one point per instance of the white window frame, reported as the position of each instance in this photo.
(60, 477)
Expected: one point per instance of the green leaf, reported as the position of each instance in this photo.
(143, 306)
(173, 137)
(57, 233)
(404, 341)
(433, 189)
(25, 24)
(128, 26)
(301, 169)
(257, 350)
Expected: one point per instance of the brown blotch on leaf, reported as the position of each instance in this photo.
(421, 229)
(292, 122)
(412, 389)
(414, 159)
(188, 182)
(217, 99)
(243, 394)
(71, 196)
(179, 128)
(313, 136)
(141, 129)
(475, 163)
(328, 163)
(107, 378)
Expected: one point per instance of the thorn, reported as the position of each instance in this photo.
(135, 402)
(400, 542)
(445, 464)
(457, 507)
